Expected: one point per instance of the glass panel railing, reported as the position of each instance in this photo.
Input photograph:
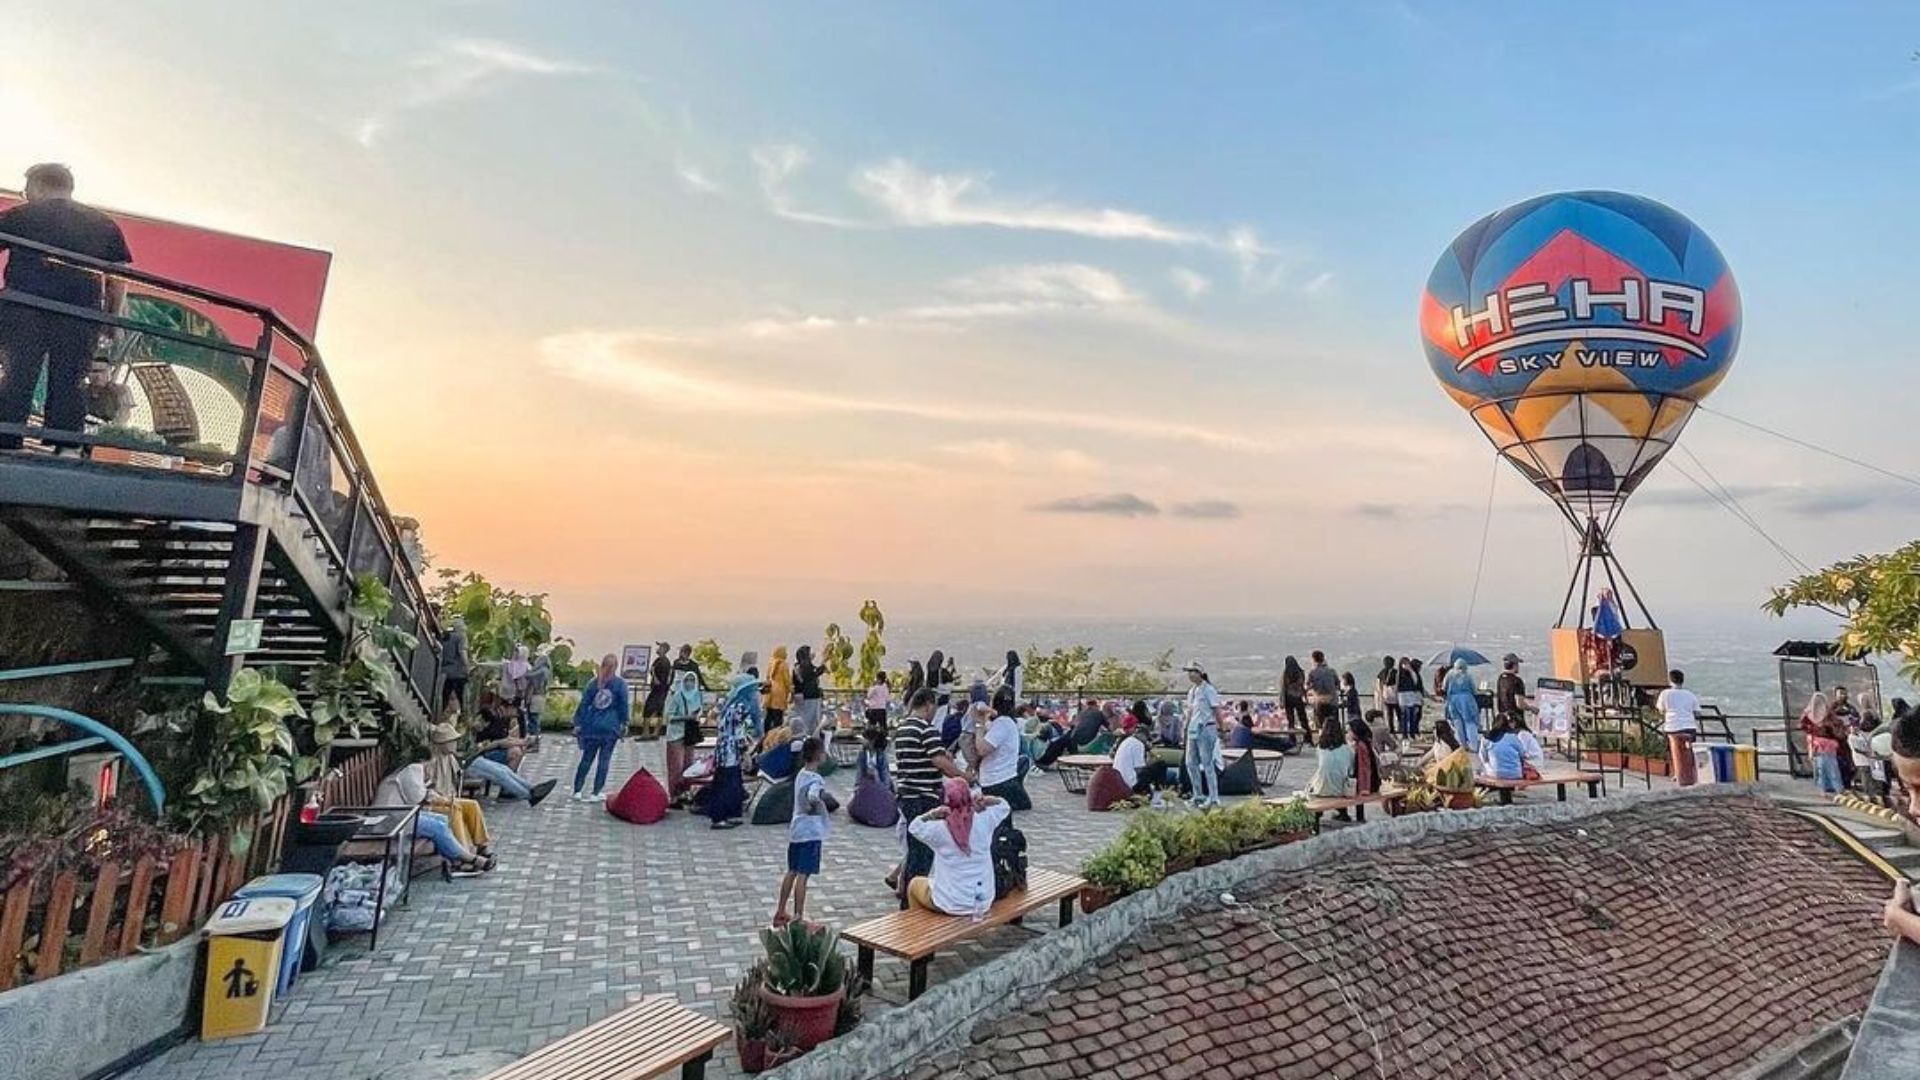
(322, 481)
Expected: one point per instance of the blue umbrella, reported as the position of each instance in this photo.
(1473, 657)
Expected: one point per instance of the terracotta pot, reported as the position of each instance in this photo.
(1458, 800)
(753, 1053)
(808, 1021)
(1093, 898)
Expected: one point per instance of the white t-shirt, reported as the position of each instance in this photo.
(1129, 758)
(962, 882)
(1000, 751)
(1678, 704)
(1203, 706)
(405, 786)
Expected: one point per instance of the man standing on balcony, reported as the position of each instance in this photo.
(31, 337)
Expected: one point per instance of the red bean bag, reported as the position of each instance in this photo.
(1105, 787)
(641, 800)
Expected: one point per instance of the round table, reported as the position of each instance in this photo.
(1076, 769)
(1266, 765)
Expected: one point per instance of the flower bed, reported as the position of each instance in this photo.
(1157, 843)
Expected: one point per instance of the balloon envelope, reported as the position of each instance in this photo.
(1579, 329)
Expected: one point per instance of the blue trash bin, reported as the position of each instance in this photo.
(1722, 763)
(304, 891)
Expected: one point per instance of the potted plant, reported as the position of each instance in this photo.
(752, 1019)
(805, 981)
(1134, 861)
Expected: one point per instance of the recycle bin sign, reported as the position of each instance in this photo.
(243, 964)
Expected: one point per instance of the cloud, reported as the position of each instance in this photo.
(1011, 453)
(1000, 292)
(777, 163)
(638, 364)
(695, 179)
(459, 69)
(1318, 282)
(1190, 282)
(1120, 504)
(1379, 511)
(1206, 510)
(1797, 500)
(1002, 452)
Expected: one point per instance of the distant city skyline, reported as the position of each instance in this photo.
(994, 310)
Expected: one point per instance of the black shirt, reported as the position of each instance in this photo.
(806, 680)
(498, 726)
(1088, 725)
(1508, 692)
(61, 223)
(689, 665)
(660, 675)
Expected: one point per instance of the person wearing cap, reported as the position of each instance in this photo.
(1203, 736)
(1510, 691)
(1133, 759)
(598, 723)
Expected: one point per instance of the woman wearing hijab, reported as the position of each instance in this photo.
(1014, 674)
(960, 832)
(779, 687)
(1293, 694)
(683, 708)
(1386, 694)
(916, 679)
(727, 794)
(806, 686)
(653, 708)
(937, 677)
(1463, 705)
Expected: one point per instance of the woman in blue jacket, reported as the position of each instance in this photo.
(598, 723)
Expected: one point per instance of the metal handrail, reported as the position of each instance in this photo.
(365, 493)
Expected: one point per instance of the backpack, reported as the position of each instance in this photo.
(1009, 860)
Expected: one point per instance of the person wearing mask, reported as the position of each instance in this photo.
(1407, 692)
(1293, 695)
(653, 708)
(779, 688)
(453, 664)
(686, 662)
(1463, 705)
(807, 692)
(878, 700)
(1203, 736)
(598, 722)
(996, 742)
(920, 765)
(1386, 694)
(959, 833)
(740, 715)
(33, 339)
(682, 708)
(1679, 711)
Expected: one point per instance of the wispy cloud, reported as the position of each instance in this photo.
(999, 292)
(639, 365)
(458, 69)
(1011, 453)
(695, 179)
(777, 164)
(1191, 282)
(1206, 510)
(1120, 504)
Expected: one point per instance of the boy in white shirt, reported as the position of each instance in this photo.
(806, 831)
(1680, 707)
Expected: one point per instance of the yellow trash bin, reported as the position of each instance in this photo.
(1746, 764)
(244, 939)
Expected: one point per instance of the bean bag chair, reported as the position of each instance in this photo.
(1105, 787)
(779, 763)
(1239, 777)
(641, 800)
(872, 804)
(1101, 744)
(775, 805)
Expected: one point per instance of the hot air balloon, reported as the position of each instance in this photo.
(1579, 330)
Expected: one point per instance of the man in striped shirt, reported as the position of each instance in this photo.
(920, 765)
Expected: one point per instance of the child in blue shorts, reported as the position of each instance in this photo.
(806, 831)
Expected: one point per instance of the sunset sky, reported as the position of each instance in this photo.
(723, 310)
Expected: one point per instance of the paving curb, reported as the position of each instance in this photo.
(945, 1015)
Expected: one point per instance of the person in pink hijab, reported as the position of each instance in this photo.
(960, 832)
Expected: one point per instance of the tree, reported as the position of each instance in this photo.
(873, 651)
(1876, 596)
(498, 620)
(714, 665)
(836, 656)
(1075, 669)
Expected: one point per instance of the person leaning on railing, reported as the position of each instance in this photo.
(32, 338)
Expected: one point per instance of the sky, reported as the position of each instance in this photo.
(690, 311)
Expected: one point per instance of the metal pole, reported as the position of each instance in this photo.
(237, 597)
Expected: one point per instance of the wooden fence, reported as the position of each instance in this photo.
(76, 918)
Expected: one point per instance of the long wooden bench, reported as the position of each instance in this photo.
(1559, 778)
(1327, 804)
(915, 935)
(648, 1038)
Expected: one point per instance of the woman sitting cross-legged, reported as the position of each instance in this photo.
(960, 832)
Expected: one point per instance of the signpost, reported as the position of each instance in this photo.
(1553, 698)
(243, 635)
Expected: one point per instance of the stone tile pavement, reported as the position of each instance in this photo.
(584, 914)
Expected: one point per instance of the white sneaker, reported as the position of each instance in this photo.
(577, 797)
(598, 796)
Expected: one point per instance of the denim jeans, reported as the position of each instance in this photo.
(1826, 773)
(434, 827)
(505, 779)
(594, 748)
(1203, 770)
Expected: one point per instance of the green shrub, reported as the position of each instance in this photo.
(1134, 861)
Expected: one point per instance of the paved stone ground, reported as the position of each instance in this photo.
(584, 914)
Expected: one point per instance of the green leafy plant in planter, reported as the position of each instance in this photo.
(244, 750)
(1132, 862)
(346, 696)
(805, 981)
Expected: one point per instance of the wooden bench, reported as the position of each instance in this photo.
(648, 1038)
(1326, 804)
(1559, 778)
(916, 934)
